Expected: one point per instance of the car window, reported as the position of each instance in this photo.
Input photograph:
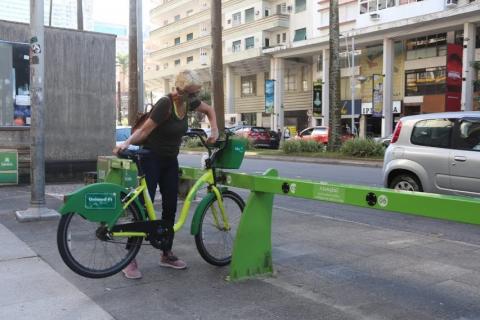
(318, 131)
(432, 133)
(259, 129)
(307, 132)
(467, 135)
(123, 134)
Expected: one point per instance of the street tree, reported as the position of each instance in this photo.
(79, 14)
(217, 63)
(335, 121)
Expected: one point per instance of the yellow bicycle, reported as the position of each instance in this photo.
(103, 224)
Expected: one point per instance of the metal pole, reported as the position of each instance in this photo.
(141, 105)
(352, 85)
(37, 130)
(132, 63)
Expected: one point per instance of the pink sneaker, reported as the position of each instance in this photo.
(171, 261)
(131, 271)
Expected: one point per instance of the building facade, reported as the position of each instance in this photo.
(399, 57)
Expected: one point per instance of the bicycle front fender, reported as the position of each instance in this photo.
(98, 202)
(195, 227)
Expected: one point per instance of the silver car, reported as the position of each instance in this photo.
(436, 152)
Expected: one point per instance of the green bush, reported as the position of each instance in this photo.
(362, 148)
(297, 146)
(192, 142)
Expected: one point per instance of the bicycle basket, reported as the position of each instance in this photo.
(231, 156)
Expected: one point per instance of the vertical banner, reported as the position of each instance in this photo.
(317, 99)
(269, 94)
(377, 95)
(453, 92)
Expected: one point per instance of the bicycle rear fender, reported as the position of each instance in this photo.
(98, 202)
(195, 227)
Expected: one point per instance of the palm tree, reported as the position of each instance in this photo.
(79, 15)
(335, 123)
(122, 62)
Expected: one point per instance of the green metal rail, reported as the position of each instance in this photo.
(252, 247)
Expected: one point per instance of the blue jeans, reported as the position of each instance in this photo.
(163, 171)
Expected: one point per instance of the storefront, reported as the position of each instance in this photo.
(14, 84)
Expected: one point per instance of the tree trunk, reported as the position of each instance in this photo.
(50, 14)
(335, 122)
(132, 64)
(217, 63)
(79, 15)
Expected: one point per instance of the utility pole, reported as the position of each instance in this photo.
(37, 210)
(132, 64)
(140, 89)
(217, 64)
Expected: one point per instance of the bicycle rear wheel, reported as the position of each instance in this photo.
(214, 242)
(89, 250)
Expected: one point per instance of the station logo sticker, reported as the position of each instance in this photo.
(327, 192)
(293, 188)
(383, 201)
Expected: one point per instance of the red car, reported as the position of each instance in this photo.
(320, 135)
(259, 136)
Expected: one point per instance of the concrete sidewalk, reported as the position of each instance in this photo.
(327, 267)
(31, 289)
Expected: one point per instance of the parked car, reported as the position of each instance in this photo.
(437, 152)
(259, 136)
(319, 134)
(384, 140)
(122, 134)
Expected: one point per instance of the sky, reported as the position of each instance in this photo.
(116, 11)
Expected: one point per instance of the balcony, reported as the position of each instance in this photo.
(271, 23)
(230, 56)
(170, 72)
(184, 23)
(160, 11)
(182, 48)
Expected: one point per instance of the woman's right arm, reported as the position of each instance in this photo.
(138, 136)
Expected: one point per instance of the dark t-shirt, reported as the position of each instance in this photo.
(165, 139)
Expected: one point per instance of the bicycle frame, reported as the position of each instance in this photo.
(206, 178)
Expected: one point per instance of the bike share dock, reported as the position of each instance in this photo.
(252, 252)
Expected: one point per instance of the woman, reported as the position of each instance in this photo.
(162, 134)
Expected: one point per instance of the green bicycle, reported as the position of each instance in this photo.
(103, 224)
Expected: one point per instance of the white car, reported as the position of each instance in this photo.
(436, 152)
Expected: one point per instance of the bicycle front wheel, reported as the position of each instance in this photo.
(90, 250)
(214, 241)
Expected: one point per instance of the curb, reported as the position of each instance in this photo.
(345, 162)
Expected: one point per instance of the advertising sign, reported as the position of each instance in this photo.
(317, 99)
(269, 95)
(377, 94)
(453, 91)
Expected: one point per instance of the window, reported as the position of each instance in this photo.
(467, 135)
(278, 38)
(236, 46)
(374, 5)
(177, 17)
(249, 85)
(157, 67)
(426, 47)
(425, 81)
(177, 41)
(432, 133)
(284, 37)
(14, 84)
(249, 15)
(177, 62)
(300, 34)
(300, 5)
(189, 12)
(249, 43)
(236, 18)
(290, 81)
(189, 59)
(189, 36)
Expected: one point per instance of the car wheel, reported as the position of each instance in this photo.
(405, 182)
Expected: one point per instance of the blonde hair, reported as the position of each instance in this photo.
(187, 78)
